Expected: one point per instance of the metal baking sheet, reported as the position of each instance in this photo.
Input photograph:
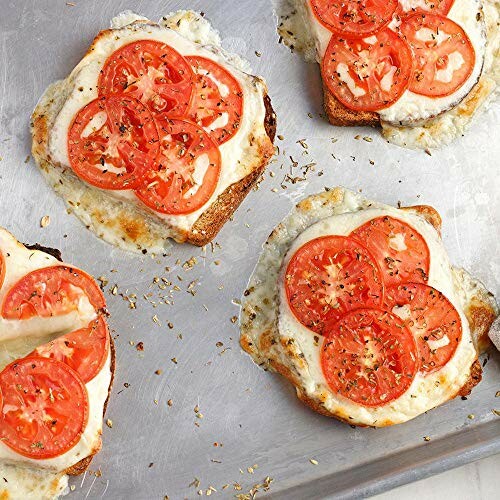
(260, 429)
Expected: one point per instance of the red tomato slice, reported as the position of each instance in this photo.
(369, 357)
(51, 291)
(432, 319)
(187, 169)
(113, 142)
(217, 103)
(152, 72)
(44, 407)
(2, 269)
(434, 6)
(369, 73)
(328, 277)
(443, 54)
(85, 350)
(401, 252)
(354, 17)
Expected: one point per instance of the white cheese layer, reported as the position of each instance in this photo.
(426, 392)
(412, 108)
(193, 35)
(19, 483)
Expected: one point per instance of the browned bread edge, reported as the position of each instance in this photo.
(211, 221)
(51, 251)
(341, 116)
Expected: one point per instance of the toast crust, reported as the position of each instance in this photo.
(211, 221)
(341, 116)
(479, 314)
(51, 251)
(133, 226)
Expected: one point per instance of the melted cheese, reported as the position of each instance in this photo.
(426, 391)
(265, 310)
(189, 34)
(417, 121)
(25, 477)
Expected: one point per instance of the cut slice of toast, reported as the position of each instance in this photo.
(341, 116)
(123, 220)
(48, 474)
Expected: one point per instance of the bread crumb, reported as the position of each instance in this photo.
(45, 221)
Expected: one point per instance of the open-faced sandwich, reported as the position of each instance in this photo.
(157, 133)
(418, 68)
(56, 370)
(357, 304)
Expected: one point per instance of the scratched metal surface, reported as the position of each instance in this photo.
(153, 449)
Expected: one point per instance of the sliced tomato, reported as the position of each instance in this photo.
(433, 6)
(2, 269)
(368, 73)
(354, 17)
(328, 277)
(369, 357)
(186, 172)
(112, 142)
(217, 103)
(443, 54)
(432, 319)
(399, 249)
(85, 350)
(51, 291)
(152, 72)
(44, 407)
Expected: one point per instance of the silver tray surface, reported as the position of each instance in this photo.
(154, 449)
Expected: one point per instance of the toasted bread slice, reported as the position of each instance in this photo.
(341, 116)
(259, 317)
(81, 465)
(411, 121)
(126, 222)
